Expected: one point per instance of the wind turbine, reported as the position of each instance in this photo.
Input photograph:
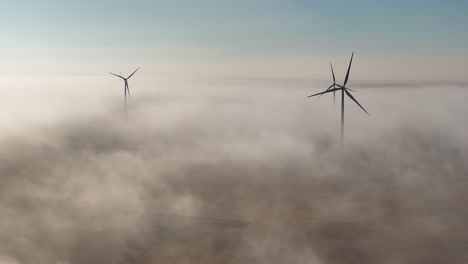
(126, 89)
(343, 90)
(333, 85)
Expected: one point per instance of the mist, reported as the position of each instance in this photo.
(237, 173)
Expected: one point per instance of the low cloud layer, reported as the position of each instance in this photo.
(242, 175)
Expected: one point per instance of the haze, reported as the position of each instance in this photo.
(220, 157)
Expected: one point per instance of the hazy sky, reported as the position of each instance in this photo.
(393, 40)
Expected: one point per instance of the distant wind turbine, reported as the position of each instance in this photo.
(126, 89)
(343, 90)
(333, 86)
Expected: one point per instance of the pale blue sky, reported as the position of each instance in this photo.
(244, 38)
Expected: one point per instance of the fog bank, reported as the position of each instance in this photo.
(241, 175)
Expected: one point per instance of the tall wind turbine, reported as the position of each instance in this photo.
(343, 90)
(126, 89)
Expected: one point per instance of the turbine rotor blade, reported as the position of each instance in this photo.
(328, 91)
(133, 73)
(333, 73)
(354, 99)
(117, 75)
(349, 68)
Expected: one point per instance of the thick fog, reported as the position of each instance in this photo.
(238, 173)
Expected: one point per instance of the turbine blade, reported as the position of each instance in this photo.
(349, 68)
(354, 99)
(328, 91)
(333, 73)
(117, 75)
(125, 91)
(350, 90)
(133, 73)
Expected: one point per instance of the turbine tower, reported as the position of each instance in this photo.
(343, 90)
(126, 89)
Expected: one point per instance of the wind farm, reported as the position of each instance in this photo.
(229, 149)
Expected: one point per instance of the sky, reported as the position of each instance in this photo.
(393, 40)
